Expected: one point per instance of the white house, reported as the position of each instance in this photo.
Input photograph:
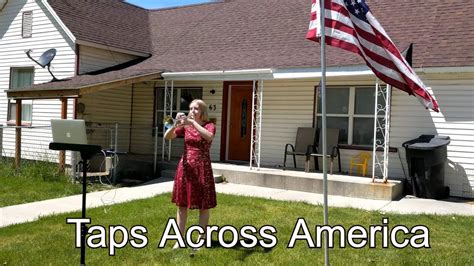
(216, 52)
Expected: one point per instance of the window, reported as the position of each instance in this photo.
(26, 111)
(27, 24)
(21, 77)
(351, 110)
(182, 98)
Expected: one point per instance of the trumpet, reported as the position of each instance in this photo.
(176, 121)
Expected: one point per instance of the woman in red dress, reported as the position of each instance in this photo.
(194, 182)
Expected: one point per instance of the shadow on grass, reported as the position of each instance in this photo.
(246, 252)
(238, 246)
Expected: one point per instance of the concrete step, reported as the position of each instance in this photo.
(341, 185)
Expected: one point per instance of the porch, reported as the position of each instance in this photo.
(298, 180)
(341, 185)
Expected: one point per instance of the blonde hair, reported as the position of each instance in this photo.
(203, 108)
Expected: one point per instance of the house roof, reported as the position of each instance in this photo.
(112, 23)
(257, 34)
(251, 34)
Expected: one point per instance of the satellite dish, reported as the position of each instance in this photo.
(45, 60)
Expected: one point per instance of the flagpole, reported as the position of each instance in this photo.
(323, 126)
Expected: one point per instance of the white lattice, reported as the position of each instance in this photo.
(383, 127)
(256, 132)
(167, 110)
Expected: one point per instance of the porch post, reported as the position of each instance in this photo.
(18, 135)
(62, 154)
(171, 115)
(167, 106)
(384, 129)
(165, 102)
(256, 132)
(252, 133)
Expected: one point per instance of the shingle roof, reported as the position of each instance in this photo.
(107, 22)
(92, 79)
(253, 34)
(247, 34)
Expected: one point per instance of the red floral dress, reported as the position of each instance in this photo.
(194, 182)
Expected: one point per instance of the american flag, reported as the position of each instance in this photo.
(350, 25)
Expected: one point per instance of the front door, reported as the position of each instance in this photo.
(240, 122)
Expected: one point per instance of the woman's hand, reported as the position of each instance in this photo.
(188, 121)
(180, 115)
(179, 120)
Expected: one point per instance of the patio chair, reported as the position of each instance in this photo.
(360, 161)
(304, 144)
(332, 149)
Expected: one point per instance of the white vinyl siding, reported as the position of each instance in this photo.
(143, 140)
(455, 119)
(92, 59)
(46, 34)
(287, 105)
(103, 109)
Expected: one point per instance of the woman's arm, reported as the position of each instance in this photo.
(205, 134)
(170, 134)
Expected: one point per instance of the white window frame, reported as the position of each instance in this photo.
(177, 97)
(12, 103)
(11, 121)
(351, 111)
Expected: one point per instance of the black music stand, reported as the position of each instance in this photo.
(87, 151)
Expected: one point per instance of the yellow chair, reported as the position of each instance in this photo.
(360, 161)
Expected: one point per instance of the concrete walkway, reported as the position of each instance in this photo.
(408, 205)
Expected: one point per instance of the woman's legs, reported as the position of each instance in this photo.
(182, 216)
(203, 220)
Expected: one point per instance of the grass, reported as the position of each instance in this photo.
(35, 181)
(51, 241)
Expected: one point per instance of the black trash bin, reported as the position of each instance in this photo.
(426, 157)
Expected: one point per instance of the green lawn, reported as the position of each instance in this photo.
(36, 180)
(51, 241)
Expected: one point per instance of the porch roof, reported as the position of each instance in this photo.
(84, 84)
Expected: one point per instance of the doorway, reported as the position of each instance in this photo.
(240, 122)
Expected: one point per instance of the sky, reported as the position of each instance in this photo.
(153, 4)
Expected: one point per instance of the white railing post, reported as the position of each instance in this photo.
(384, 129)
(256, 133)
